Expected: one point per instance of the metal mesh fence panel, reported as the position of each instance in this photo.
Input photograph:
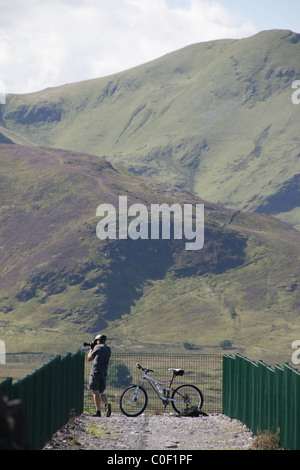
(202, 370)
(263, 398)
(49, 396)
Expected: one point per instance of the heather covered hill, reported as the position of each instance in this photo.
(60, 284)
(214, 118)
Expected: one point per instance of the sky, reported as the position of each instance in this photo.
(47, 43)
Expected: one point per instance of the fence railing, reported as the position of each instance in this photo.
(202, 370)
(263, 398)
(49, 396)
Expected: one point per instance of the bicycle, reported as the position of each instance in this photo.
(134, 399)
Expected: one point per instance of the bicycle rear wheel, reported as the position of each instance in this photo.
(133, 400)
(187, 396)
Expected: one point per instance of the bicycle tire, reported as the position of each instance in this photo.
(192, 398)
(132, 405)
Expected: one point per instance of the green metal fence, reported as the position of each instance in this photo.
(49, 396)
(263, 398)
(202, 370)
(260, 396)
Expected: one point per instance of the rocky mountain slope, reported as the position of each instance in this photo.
(60, 284)
(215, 118)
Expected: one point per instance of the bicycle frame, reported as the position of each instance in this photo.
(134, 399)
(162, 388)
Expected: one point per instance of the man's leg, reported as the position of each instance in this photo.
(96, 396)
(103, 398)
(102, 387)
(107, 405)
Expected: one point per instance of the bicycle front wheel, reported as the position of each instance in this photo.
(133, 401)
(185, 397)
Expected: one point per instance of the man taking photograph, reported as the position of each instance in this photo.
(100, 355)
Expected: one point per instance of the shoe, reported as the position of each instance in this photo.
(98, 413)
(108, 410)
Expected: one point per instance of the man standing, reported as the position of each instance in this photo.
(100, 355)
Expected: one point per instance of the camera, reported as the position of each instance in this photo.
(91, 345)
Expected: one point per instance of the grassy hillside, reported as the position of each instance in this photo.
(60, 284)
(213, 118)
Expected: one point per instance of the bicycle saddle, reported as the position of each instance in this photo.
(177, 371)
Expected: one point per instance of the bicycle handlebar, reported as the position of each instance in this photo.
(144, 369)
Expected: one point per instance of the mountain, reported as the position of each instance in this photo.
(61, 284)
(215, 118)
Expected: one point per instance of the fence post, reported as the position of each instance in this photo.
(271, 422)
(297, 409)
(292, 410)
(250, 411)
(288, 406)
(262, 397)
(228, 401)
(22, 390)
(225, 385)
(279, 401)
(239, 387)
(35, 412)
(255, 398)
(79, 359)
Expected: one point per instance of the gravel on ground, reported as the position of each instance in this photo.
(167, 431)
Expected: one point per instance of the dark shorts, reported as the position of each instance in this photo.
(97, 382)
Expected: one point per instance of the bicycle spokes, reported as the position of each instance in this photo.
(185, 397)
(133, 401)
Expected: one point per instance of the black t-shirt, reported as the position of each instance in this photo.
(101, 355)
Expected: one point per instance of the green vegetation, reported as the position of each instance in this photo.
(61, 285)
(211, 122)
(119, 374)
(95, 431)
(266, 441)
